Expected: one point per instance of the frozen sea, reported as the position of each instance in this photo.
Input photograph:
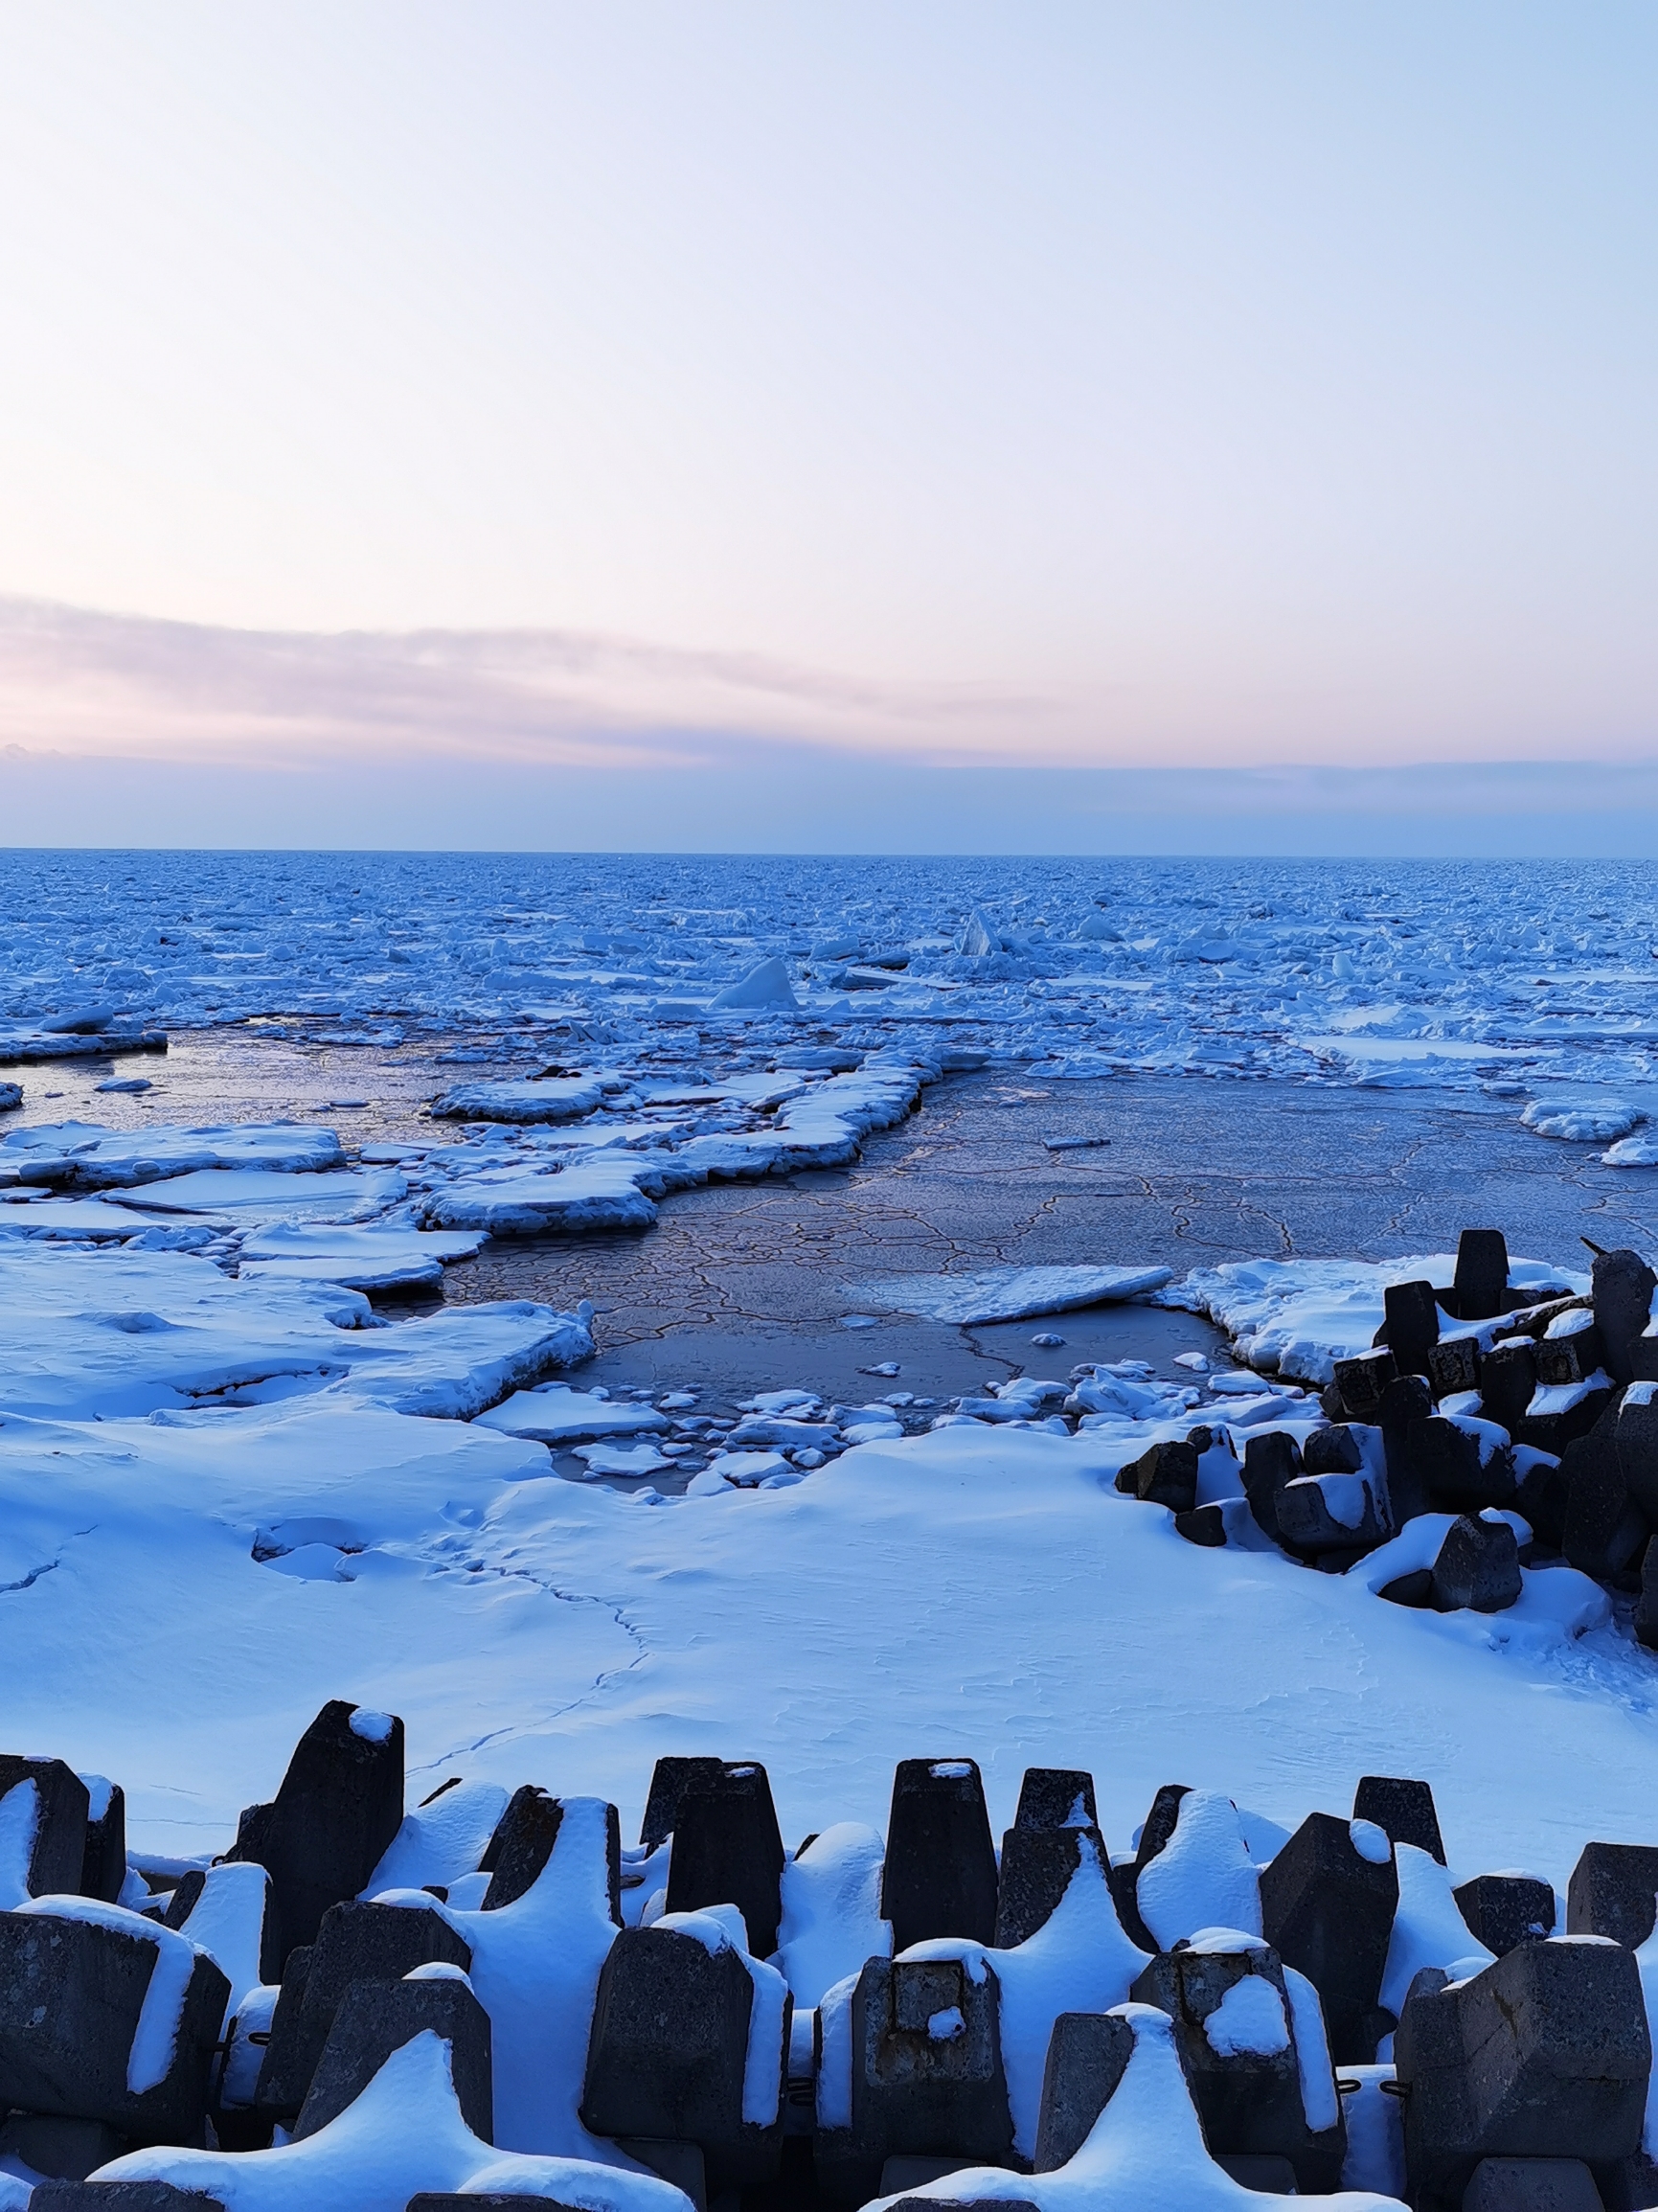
(230, 1487)
(1430, 973)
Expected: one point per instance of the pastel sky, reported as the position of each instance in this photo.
(1189, 385)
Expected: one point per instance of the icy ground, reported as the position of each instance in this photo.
(1443, 973)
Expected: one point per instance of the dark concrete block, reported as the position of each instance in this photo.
(1204, 1525)
(1416, 1589)
(1481, 1282)
(104, 1862)
(1270, 1462)
(339, 1806)
(1573, 1356)
(681, 2163)
(1405, 1403)
(1545, 2054)
(517, 1853)
(1532, 2185)
(1121, 1879)
(1463, 1473)
(1605, 1531)
(1505, 1909)
(126, 2197)
(526, 1832)
(1308, 1521)
(357, 1943)
(963, 2204)
(1454, 1365)
(1508, 1380)
(373, 2020)
(66, 2150)
(437, 2200)
(1271, 2176)
(940, 1876)
(290, 2056)
(1088, 2054)
(1612, 1892)
(70, 1999)
(1478, 1568)
(1626, 2184)
(1635, 1441)
(667, 2053)
(1249, 2102)
(1623, 1288)
(1333, 1451)
(1548, 1428)
(1328, 1911)
(1646, 1619)
(1362, 1381)
(916, 2091)
(916, 2171)
(1168, 1476)
(728, 1850)
(1160, 1824)
(1037, 1866)
(60, 1853)
(1056, 1798)
(668, 1781)
(1402, 1809)
(1411, 1326)
(1541, 1500)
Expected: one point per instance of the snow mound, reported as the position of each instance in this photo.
(1632, 1153)
(1581, 1121)
(766, 986)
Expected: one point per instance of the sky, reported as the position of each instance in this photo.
(562, 424)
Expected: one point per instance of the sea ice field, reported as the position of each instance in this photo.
(600, 1309)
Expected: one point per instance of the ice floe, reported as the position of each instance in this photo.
(1008, 1293)
(1346, 973)
(1297, 1317)
(95, 1336)
(1581, 1121)
(87, 1156)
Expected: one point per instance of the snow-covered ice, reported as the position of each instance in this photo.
(1320, 971)
(1297, 1317)
(1008, 1293)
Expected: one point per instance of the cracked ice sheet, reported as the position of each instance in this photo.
(1007, 1293)
(1297, 1317)
(273, 1193)
(968, 1592)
